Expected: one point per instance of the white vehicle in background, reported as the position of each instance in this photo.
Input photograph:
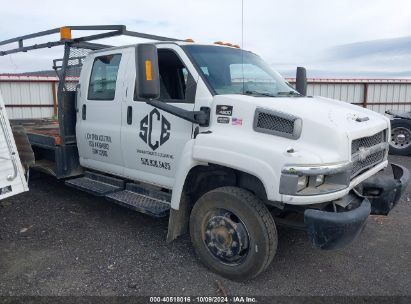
(212, 137)
(12, 177)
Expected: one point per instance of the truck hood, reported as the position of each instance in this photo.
(326, 123)
(324, 112)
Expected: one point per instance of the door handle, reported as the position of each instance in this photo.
(84, 112)
(129, 115)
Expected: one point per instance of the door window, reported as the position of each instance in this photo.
(103, 77)
(176, 82)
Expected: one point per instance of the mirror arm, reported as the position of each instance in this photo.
(201, 117)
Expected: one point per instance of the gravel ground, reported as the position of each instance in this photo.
(55, 240)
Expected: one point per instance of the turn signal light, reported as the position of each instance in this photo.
(189, 40)
(148, 70)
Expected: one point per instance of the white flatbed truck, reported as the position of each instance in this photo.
(212, 137)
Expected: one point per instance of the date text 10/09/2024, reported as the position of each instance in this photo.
(199, 299)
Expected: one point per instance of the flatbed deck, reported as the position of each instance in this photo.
(47, 128)
(52, 155)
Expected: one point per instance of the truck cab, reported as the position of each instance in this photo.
(123, 135)
(214, 138)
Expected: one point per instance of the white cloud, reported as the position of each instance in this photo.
(285, 33)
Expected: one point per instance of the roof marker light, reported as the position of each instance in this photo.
(65, 33)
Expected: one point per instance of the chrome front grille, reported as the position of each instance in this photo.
(367, 142)
(361, 164)
(368, 162)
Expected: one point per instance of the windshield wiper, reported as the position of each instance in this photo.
(248, 92)
(291, 93)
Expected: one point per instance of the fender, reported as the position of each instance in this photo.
(186, 163)
(195, 154)
(242, 162)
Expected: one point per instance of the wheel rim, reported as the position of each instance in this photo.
(226, 237)
(401, 138)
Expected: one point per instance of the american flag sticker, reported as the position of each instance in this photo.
(237, 121)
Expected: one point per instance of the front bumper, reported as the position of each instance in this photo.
(334, 230)
(384, 192)
(376, 195)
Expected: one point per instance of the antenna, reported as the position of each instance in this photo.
(242, 41)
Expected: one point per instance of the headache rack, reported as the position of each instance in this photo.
(63, 161)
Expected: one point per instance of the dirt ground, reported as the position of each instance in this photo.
(55, 240)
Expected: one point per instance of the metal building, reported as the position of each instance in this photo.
(30, 97)
(376, 94)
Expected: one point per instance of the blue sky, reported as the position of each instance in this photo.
(331, 38)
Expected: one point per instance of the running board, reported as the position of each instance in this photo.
(96, 184)
(149, 201)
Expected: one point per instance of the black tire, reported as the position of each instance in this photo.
(400, 126)
(247, 211)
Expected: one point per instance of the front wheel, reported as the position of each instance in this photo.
(233, 233)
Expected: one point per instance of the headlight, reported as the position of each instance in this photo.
(314, 180)
(305, 181)
(319, 180)
(302, 182)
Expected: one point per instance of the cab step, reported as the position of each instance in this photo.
(97, 184)
(149, 201)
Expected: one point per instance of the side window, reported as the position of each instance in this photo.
(103, 77)
(176, 83)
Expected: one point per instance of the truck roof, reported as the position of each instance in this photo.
(180, 43)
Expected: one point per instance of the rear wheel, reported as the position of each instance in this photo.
(400, 137)
(233, 233)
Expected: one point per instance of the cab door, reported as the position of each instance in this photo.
(154, 140)
(12, 179)
(99, 111)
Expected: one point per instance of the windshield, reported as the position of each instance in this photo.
(234, 71)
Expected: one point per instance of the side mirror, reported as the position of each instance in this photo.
(148, 76)
(301, 81)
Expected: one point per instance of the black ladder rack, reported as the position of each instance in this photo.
(111, 31)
